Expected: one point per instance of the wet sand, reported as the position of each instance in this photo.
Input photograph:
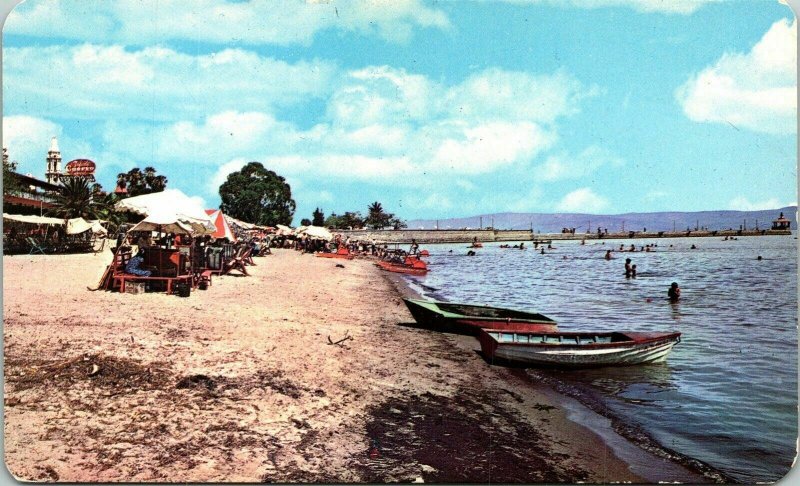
(241, 383)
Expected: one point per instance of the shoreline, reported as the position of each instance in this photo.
(641, 452)
(238, 383)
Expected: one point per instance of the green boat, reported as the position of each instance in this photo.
(469, 318)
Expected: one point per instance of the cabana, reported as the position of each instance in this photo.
(42, 234)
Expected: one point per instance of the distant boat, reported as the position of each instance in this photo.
(576, 349)
(414, 269)
(469, 318)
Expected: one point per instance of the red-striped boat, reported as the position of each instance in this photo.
(469, 318)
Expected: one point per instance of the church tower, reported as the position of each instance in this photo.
(53, 173)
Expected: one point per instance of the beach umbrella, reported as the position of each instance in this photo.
(170, 206)
(221, 223)
(284, 230)
(317, 232)
(163, 222)
(19, 218)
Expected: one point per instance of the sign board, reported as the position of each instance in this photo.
(80, 168)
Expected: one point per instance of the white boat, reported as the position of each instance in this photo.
(576, 349)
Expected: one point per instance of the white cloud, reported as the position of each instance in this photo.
(485, 148)
(755, 91)
(140, 22)
(511, 95)
(590, 160)
(683, 7)
(155, 83)
(28, 139)
(582, 200)
(741, 203)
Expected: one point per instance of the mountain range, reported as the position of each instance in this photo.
(662, 221)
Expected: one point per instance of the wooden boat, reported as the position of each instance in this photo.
(576, 349)
(468, 318)
(403, 268)
(342, 253)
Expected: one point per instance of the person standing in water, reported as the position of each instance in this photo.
(627, 268)
(674, 292)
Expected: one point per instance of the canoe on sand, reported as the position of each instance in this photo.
(468, 318)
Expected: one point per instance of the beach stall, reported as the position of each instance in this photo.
(168, 234)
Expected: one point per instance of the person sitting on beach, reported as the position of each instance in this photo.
(134, 263)
(674, 292)
(608, 255)
(627, 268)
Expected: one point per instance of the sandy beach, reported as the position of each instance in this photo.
(241, 383)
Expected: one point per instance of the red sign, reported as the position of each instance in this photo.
(80, 167)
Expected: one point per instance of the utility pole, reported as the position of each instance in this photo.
(673, 225)
(437, 225)
(481, 222)
(623, 225)
(492, 222)
(745, 224)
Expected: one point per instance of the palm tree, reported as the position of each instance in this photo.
(75, 200)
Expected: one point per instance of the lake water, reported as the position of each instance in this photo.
(726, 396)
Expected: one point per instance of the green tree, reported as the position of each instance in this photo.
(377, 218)
(318, 218)
(11, 183)
(305, 222)
(257, 195)
(398, 223)
(333, 221)
(137, 182)
(75, 200)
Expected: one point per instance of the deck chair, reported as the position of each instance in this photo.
(236, 262)
(35, 246)
(247, 256)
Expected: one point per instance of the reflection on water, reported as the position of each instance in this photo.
(728, 392)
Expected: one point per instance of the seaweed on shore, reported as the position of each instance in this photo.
(457, 439)
(117, 374)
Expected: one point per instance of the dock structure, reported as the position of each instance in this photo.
(405, 236)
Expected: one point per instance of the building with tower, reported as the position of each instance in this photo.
(53, 174)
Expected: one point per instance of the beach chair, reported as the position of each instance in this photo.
(35, 246)
(236, 262)
(247, 256)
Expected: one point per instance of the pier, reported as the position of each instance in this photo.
(488, 236)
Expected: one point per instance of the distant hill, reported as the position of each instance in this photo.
(665, 221)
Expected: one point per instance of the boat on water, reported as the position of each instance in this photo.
(414, 269)
(469, 318)
(576, 349)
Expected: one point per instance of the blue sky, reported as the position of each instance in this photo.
(435, 109)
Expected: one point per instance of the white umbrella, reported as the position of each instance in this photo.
(168, 207)
(316, 232)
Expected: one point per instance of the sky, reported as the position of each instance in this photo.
(435, 109)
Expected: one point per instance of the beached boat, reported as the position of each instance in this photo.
(576, 349)
(342, 253)
(468, 318)
(403, 268)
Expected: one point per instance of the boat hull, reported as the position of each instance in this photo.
(401, 268)
(345, 256)
(525, 349)
(430, 315)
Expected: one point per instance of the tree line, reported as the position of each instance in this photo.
(252, 194)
